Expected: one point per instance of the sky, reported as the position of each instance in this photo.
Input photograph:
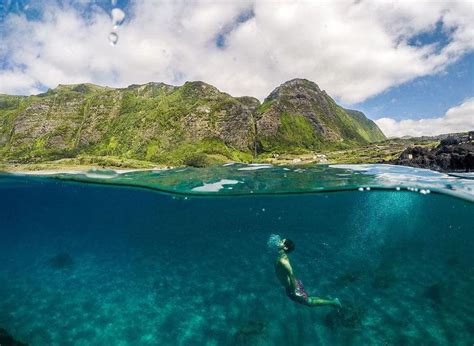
(408, 65)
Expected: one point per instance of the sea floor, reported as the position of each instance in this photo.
(87, 265)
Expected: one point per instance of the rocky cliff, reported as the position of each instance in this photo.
(446, 157)
(163, 123)
(299, 114)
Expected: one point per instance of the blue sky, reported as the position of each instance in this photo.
(424, 97)
(407, 65)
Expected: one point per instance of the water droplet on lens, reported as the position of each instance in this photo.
(117, 17)
(113, 38)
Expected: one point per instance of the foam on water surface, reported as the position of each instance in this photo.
(268, 179)
(215, 187)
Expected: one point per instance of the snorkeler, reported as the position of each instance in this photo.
(294, 288)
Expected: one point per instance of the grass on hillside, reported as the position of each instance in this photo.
(210, 153)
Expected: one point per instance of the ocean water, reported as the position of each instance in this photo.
(180, 257)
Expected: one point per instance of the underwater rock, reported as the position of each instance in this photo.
(453, 261)
(348, 278)
(348, 316)
(249, 333)
(8, 340)
(435, 293)
(384, 279)
(61, 261)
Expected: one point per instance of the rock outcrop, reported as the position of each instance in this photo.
(446, 157)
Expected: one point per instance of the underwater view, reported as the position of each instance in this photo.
(180, 256)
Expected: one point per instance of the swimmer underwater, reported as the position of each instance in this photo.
(284, 272)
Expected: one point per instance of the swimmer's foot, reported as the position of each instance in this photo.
(337, 303)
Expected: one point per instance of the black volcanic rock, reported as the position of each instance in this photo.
(445, 157)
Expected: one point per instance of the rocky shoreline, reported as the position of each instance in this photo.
(448, 156)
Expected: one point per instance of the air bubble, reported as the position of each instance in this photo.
(367, 188)
(360, 189)
(397, 188)
(113, 38)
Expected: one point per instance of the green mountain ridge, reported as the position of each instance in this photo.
(169, 124)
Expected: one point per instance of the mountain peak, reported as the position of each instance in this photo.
(300, 82)
(294, 87)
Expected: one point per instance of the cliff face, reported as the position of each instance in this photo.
(141, 121)
(158, 122)
(299, 114)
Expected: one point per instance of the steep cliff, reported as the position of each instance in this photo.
(149, 122)
(167, 124)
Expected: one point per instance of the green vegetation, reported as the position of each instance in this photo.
(295, 135)
(156, 124)
(378, 152)
(310, 120)
(265, 106)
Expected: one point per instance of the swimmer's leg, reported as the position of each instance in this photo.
(316, 301)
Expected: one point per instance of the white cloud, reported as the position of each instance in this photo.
(456, 119)
(353, 50)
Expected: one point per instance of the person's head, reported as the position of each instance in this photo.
(287, 245)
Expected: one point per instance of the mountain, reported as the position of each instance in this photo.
(168, 124)
(298, 114)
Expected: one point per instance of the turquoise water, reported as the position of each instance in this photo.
(185, 261)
